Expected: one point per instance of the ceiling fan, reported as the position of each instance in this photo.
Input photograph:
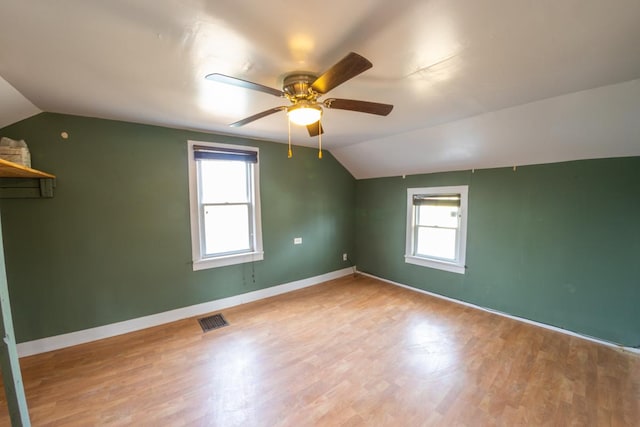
(303, 89)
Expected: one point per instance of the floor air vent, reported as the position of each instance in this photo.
(212, 322)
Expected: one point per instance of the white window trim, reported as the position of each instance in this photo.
(410, 258)
(200, 262)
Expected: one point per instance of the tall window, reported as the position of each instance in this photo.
(225, 204)
(437, 227)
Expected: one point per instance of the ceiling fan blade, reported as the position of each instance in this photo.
(221, 78)
(315, 128)
(347, 68)
(360, 106)
(256, 117)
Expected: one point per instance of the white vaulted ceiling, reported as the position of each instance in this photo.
(475, 84)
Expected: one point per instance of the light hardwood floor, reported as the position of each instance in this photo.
(350, 352)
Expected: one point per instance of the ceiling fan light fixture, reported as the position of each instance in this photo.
(302, 89)
(304, 114)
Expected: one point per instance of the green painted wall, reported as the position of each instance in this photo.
(114, 243)
(556, 243)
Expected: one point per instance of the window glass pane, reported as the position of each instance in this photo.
(437, 216)
(226, 229)
(223, 181)
(436, 242)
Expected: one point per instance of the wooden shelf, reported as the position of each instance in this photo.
(21, 182)
(12, 170)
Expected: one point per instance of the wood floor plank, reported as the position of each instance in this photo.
(350, 352)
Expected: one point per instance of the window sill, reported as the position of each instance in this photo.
(222, 261)
(432, 263)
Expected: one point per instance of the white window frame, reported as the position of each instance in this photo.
(457, 266)
(200, 261)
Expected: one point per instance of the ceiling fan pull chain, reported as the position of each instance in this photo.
(319, 140)
(290, 154)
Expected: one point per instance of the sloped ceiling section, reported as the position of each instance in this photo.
(13, 105)
(596, 123)
(474, 83)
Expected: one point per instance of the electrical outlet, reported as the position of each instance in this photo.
(344, 257)
(297, 241)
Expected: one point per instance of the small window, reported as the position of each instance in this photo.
(437, 227)
(225, 204)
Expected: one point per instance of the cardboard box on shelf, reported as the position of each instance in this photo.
(15, 151)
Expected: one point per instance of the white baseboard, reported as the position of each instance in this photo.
(87, 335)
(499, 313)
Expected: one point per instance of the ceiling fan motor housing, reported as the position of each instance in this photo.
(297, 86)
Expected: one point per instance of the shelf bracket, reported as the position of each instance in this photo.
(26, 188)
(46, 187)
